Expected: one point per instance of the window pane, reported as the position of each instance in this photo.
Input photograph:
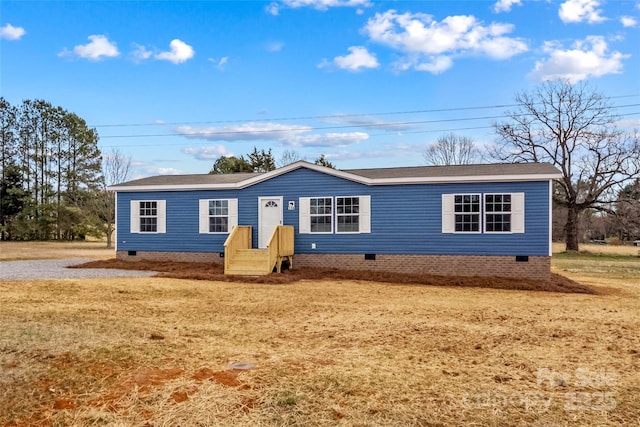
(467, 212)
(148, 217)
(148, 225)
(321, 214)
(321, 224)
(347, 210)
(218, 224)
(218, 207)
(498, 213)
(349, 224)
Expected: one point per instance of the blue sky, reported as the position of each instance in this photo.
(176, 85)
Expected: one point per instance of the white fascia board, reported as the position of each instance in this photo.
(340, 174)
(136, 188)
(248, 182)
(457, 179)
(302, 164)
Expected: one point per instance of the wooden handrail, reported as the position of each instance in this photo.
(239, 238)
(280, 244)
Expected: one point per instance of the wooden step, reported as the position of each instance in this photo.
(249, 262)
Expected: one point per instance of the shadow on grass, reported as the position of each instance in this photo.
(214, 272)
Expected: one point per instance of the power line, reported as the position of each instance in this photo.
(371, 135)
(332, 116)
(390, 125)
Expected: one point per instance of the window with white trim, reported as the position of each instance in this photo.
(497, 213)
(148, 216)
(218, 216)
(351, 214)
(467, 213)
(321, 214)
(347, 214)
(478, 213)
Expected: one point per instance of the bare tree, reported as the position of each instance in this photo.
(116, 168)
(452, 149)
(628, 212)
(573, 128)
(288, 157)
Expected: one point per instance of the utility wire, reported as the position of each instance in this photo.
(389, 125)
(370, 135)
(332, 116)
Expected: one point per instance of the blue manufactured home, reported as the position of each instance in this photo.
(486, 220)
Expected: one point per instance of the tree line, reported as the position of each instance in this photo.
(50, 172)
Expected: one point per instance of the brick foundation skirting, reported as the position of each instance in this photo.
(532, 267)
(171, 256)
(535, 267)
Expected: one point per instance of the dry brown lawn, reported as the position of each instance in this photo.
(15, 251)
(159, 351)
(601, 249)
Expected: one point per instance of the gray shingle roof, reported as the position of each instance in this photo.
(457, 171)
(519, 171)
(197, 179)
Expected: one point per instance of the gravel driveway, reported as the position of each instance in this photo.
(56, 269)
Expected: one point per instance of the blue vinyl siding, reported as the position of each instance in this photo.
(405, 219)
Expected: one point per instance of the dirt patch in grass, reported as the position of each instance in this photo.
(214, 272)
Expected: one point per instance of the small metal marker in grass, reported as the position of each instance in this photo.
(241, 365)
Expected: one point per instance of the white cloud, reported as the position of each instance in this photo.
(288, 135)
(430, 45)
(274, 46)
(327, 139)
(367, 122)
(628, 21)
(212, 152)
(273, 9)
(387, 151)
(166, 171)
(220, 63)
(9, 32)
(435, 64)
(629, 125)
(323, 5)
(99, 47)
(357, 60)
(251, 131)
(143, 169)
(140, 53)
(505, 5)
(180, 52)
(588, 58)
(572, 11)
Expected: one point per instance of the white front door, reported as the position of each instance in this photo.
(270, 216)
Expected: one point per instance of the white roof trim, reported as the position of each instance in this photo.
(340, 174)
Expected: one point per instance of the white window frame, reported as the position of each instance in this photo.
(364, 214)
(479, 213)
(517, 213)
(161, 217)
(306, 215)
(364, 220)
(486, 212)
(232, 215)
